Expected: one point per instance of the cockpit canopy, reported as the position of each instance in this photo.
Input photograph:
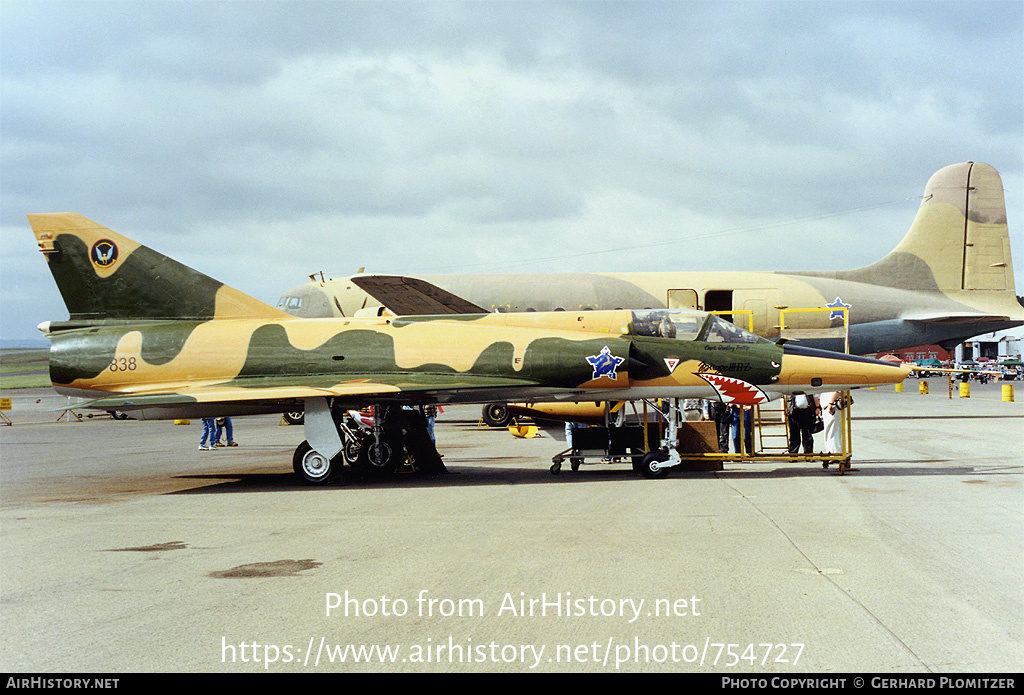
(289, 303)
(684, 324)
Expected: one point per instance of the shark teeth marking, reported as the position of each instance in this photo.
(735, 391)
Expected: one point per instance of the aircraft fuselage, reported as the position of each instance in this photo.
(880, 318)
(949, 278)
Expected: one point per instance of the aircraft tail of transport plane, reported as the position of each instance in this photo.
(958, 242)
(950, 278)
(152, 337)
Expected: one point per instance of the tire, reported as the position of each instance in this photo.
(374, 460)
(118, 415)
(295, 418)
(644, 466)
(351, 450)
(497, 415)
(312, 467)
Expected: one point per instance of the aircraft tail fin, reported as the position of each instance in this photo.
(104, 276)
(958, 241)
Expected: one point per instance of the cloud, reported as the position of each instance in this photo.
(289, 137)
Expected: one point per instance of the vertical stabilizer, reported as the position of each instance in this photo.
(958, 241)
(105, 276)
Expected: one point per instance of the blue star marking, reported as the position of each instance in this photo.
(605, 364)
(838, 306)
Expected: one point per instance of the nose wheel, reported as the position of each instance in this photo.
(650, 465)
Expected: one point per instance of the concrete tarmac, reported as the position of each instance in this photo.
(125, 549)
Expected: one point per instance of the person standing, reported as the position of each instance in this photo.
(801, 411)
(719, 412)
(742, 419)
(209, 432)
(830, 415)
(224, 427)
(430, 413)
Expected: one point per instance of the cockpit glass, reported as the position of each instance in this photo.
(718, 330)
(665, 323)
(683, 324)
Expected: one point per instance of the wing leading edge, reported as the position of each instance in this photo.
(406, 388)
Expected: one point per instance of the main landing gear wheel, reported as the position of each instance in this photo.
(497, 415)
(351, 449)
(312, 467)
(295, 418)
(645, 466)
(378, 458)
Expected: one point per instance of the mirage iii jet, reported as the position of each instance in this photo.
(149, 336)
(950, 278)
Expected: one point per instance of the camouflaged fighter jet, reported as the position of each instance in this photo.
(149, 336)
(950, 278)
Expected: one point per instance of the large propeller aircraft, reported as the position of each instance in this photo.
(949, 279)
(149, 336)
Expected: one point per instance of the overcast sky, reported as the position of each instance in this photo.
(260, 142)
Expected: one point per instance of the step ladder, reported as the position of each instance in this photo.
(771, 427)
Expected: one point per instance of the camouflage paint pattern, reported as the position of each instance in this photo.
(150, 335)
(105, 277)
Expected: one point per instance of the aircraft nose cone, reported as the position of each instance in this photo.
(812, 368)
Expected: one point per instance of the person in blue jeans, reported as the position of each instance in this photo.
(223, 425)
(736, 412)
(209, 432)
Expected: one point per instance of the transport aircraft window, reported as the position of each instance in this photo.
(718, 330)
(662, 323)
